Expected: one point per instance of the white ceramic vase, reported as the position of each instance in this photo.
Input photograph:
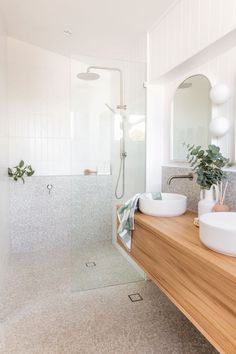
(208, 199)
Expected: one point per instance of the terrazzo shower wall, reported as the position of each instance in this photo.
(91, 209)
(192, 190)
(40, 220)
(76, 210)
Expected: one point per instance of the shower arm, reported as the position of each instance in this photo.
(121, 106)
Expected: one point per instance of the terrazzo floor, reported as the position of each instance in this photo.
(40, 314)
(105, 267)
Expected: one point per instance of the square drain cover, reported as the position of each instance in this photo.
(135, 297)
(90, 264)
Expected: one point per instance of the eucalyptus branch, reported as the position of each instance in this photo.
(207, 164)
(20, 171)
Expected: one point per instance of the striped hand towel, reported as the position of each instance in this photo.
(126, 218)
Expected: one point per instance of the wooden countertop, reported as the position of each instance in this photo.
(180, 232)
(199, 281)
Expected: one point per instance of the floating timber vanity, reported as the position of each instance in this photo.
(200, 282)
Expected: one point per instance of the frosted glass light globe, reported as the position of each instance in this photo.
(219, 126)
(220, 94)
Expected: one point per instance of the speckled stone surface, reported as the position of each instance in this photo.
(91, 209)
(230, 198)
(192, 190)
(182, 186)
(77, 209)
(41, 315)
(110, 268)
(39, 220)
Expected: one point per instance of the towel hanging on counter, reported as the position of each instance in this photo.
(126, 218)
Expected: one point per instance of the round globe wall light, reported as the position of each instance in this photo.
(219, 126)
(220, 94)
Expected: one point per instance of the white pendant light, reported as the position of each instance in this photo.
(220, 94)
(219, 126)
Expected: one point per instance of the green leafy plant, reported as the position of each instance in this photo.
(207, 164)
(20, 171)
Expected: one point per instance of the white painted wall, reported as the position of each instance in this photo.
(4, 198)
(187, 28)
(192, 38)
(154, 137)
(219, 69)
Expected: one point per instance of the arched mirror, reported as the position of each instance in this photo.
(191, 115)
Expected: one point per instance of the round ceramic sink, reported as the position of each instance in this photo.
(172, 204)
(218, 232)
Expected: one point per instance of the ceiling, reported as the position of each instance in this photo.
(100, 28)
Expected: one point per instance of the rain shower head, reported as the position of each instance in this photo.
(88, 76)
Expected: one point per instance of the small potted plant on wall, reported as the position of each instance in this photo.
(208, 166)
(20, 171)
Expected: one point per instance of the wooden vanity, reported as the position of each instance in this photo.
(200, 282)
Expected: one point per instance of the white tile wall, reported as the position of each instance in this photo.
(39, 108)
(91, 120)
(60, 124)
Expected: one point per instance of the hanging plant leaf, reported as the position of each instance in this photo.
(21, 163)
(10, 173)
(19, 171)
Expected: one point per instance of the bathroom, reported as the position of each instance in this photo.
(88, 114)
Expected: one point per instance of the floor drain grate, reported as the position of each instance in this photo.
(90, 264)
(135, 297)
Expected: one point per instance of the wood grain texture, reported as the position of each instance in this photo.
(200, 282)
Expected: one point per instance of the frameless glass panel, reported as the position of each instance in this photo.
(96, 134)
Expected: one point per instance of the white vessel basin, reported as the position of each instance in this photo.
(218, 232)
(171, 204)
